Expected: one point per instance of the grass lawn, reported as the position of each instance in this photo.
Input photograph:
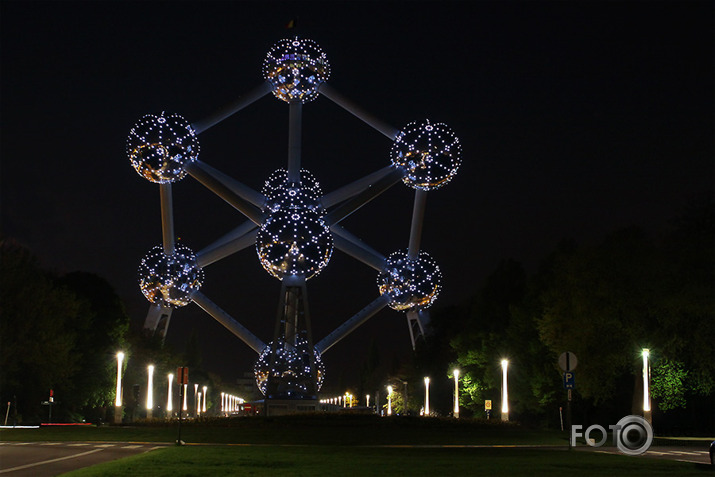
(297, 461)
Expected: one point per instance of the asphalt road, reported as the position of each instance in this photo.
(45, 459)
(696, 455)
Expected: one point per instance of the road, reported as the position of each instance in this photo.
(696, 455)
(45, 459)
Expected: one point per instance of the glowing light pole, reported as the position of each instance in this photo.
(647, 414)
(505, 392)
(456, 393)
(169, 399)
(185, 406)
(367, 400)
(118, 396)
(197, 410)
(426, 396)
(204, 407)
(150, 391)
(389, 400)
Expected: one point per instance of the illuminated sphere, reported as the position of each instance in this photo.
(282, 194)
(169, 280)
(410, 283)
(296, 68)
(294, 242)
(291, 368)
(430, 153)
(160, 146)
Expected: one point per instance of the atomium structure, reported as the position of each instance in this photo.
(293, 225)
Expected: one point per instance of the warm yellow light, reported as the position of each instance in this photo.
(169, 400)
(456, 373)
(646, 380)
(504, 363)
(149, 388)
(118, 395)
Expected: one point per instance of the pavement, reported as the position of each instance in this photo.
(46, 459)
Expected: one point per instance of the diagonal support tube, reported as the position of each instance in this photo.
(418, 214)
(238, 188)
(203, 173)
(356, 248)
(215, 252)
(245, 100)
(352, 324)
(350, 206)
(354, 188)
(228, 322)
(337, 98)
(167, 218)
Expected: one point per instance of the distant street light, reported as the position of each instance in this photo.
(456, 393)
(389, 400)
(197, 409)
(426, 396)
(186, 408)
(169, 400)
(505, 392)
(150, 391)
(118, 395)
(367, 400)
(647, 415)
(204, 408)
(120, 360)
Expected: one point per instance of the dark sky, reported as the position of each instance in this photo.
(576, 118)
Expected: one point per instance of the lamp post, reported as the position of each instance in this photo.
(197, 409)
(204, 407)
(505, 392)
(389, 400)
(426, 396)
(185, 407)
(456, 393)
(169, 399)
(118, 396)
(150, 391)
(647, 413)
(367, 400)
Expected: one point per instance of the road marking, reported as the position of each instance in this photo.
(51, 443)
(34, 464)
(104, 445)
(78, 444)
(22, 443)
(131, 447)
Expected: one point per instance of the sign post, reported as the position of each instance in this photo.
(567, 363)
(488, 407)
(182, 374)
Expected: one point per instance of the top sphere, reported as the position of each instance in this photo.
(160, 146)
(430, 152)
(296, 68)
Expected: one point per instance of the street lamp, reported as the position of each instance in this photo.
(197, 409)
(204, 409)
(389, 400)
(646, 385)
(426, 396)
(169, 400)
(367, 400)
(118, 396)
(505, 392)
(456, 393)
(185, 407)
(150, 391)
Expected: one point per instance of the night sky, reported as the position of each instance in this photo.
(576, 118)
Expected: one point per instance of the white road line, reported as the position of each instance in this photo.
(78, 444)
(104, 445)
(131, 447)
(51, 443)
(34, 464)
(23, 443)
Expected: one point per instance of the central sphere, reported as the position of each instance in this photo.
(170, 280)
(296, 67)
(291, 368)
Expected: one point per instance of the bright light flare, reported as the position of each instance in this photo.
(505, 391)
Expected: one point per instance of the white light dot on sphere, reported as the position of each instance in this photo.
(170, 280)
(410, 284)
(159, 147)
(429, 152)
(296, 68)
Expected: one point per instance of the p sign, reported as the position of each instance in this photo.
(569, 381)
